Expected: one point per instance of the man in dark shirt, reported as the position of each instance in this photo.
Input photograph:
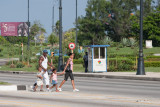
(85, 58)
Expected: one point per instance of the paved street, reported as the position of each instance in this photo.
(94, 92)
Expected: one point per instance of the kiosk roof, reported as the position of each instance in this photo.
(97, 46)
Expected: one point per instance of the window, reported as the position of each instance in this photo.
(96, 53)
(102, 51)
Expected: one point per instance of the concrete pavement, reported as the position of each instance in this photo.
(94, 92)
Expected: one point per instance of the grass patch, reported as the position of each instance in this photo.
(128, 50)
(4, 83)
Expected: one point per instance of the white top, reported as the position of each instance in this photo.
(44, 63)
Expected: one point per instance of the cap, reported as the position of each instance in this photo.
(45, 51)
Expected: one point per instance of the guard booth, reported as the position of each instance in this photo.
(97, 58)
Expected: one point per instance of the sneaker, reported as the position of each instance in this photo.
(75, 90)
(60, 89)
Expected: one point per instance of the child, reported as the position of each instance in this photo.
(53, 79)
(39, 81)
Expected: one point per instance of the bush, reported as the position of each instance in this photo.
(152, 64)
(121, 64)
(1, 49)
(20, 65)
(1, 55)
(78, 61)
(10, 62)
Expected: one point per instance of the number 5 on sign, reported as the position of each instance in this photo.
(72, 46)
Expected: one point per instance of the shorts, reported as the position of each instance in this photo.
(54, 82)
(45, 77)
(68, 74)
(39, 82)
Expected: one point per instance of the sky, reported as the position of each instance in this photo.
(41, 10)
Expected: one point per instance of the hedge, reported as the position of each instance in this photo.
(152, 64)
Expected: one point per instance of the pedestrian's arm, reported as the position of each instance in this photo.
(40, 63)
(60, 73)
(50, 65)
(51, 78)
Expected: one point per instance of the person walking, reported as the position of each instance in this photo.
(43, 63)
(85, 58)
(68, 70)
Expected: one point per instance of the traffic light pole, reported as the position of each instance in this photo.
(60, 37)
(141, 70)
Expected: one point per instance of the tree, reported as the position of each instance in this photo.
(92, 26)
(68, 37)
(37, 30)
(53, 39)
(151, 27)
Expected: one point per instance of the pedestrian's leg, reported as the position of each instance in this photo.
(85, 67)
(72, 81)
(35, 88)
(41, 89)
(62, 83)
(56, 88)
(51, 87)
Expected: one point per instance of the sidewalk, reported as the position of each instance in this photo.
(150, 76)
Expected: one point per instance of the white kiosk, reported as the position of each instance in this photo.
(97, 58)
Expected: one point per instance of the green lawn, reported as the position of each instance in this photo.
(17, 50)
(27, 69)
(4, 83)
(128, 50)
(77, 68)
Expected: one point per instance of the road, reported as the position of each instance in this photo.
(94, 92)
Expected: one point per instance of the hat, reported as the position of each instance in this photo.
(45, 51)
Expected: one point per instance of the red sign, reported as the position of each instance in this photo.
(72, 46)
(14, 29)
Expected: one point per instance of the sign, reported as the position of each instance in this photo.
(72, 46)
(14, 28)
(149, 44)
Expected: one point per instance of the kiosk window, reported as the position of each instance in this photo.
(96, 53)
(102, 51)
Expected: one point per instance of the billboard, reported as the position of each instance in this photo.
(14, 28)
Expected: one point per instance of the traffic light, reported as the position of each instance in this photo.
(52, 54)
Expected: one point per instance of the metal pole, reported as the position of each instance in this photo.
(53, 19)
(60, 37)
(28, 27)
(76, 24)
(141, 70)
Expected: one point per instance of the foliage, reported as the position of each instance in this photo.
(53, 39)
(107, 41)
(152, 64)
(92, 26)
(20, 65)
(151, 27)
(124, 42)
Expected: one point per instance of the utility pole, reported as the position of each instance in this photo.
(53, 19)
(141, 70)
(60, 37)
(28, 28)
(76, 24)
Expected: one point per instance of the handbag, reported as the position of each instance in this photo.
(68, 68)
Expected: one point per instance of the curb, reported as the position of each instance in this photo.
(119, 77)
(96, 76)
(13, 87)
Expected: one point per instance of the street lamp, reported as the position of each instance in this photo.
(141, 70)
(28, 27)
(76, 24)
(60, 37)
